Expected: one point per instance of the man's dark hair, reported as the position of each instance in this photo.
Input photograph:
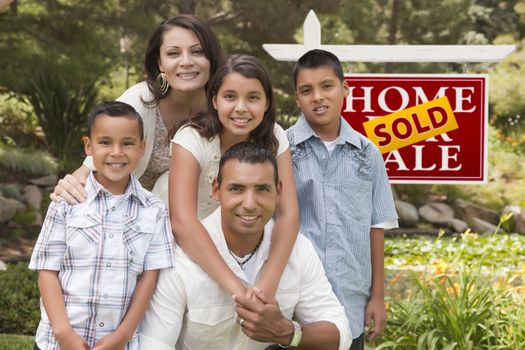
(249, 152)
(115, 109)
(318, 58)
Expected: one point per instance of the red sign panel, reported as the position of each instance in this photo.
(455, 156)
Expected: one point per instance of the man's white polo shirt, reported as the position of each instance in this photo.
(190, 311)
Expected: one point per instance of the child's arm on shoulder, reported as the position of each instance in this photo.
(285, 229)
(375, 309)
(190, 234)
(137, 308)
(53, 299)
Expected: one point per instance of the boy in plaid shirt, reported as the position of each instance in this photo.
(98, 261)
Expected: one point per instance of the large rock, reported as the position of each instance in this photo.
(45, 181)
(481, 226)
(518, 219)
(407, 213)
(468, 211)
(520, 222)
(457, 225)
(33, 196)
(436, 213)
(394, 193)
(9, 207)
(11, 190)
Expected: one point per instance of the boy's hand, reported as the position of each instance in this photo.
(111, 342)
(375, 317)
(70, 340)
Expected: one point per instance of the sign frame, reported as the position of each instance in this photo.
(482, 173)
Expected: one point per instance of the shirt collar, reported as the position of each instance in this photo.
(213, 225)
(303, 131)
(94, 189)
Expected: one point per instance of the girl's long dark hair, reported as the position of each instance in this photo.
(208, 124)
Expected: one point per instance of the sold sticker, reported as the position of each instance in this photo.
(411, 125)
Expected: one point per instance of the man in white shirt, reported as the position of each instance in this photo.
(190, 311)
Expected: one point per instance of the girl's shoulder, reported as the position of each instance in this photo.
(188, 130)
(189, 134)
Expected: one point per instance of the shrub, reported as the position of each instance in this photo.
(449, 312)
(61, 107)
(16, 342)
(19, 300)
(470, 296)
(18, 127)
(28, 161)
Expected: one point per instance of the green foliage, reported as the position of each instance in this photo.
(469, 294)
(505, 185)
(82, 44)
(18, 127)
(16, 342)
(21, 226)
(444, 312)
(61, 107)
(503, 251)
(19, 300)
(30, 162)
(26, 217)
(507, 97)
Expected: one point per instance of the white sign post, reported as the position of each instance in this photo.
(386, 53)
(458, 155)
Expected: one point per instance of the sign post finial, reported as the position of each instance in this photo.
(312, 32)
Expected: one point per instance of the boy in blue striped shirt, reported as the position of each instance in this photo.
(344, 195)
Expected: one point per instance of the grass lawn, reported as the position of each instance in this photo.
(16, 342)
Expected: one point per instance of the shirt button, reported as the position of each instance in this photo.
(111, 235)
(106, 295)
(323, 156)
(101, 324)
(112, 208)
(108, 264)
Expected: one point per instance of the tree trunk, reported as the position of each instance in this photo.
(392, 31)
(187, 6)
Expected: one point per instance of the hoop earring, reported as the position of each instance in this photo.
(162, 84)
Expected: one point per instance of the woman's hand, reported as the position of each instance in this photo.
(71, 187)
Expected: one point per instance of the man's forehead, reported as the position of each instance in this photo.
(247, 173)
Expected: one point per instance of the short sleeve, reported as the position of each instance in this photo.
(193, 142)
(282, 138)
(161, 248)
(164, 318)
(51, 243)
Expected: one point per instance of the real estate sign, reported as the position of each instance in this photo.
(429, 128)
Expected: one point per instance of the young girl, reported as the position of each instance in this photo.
(240, 108)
